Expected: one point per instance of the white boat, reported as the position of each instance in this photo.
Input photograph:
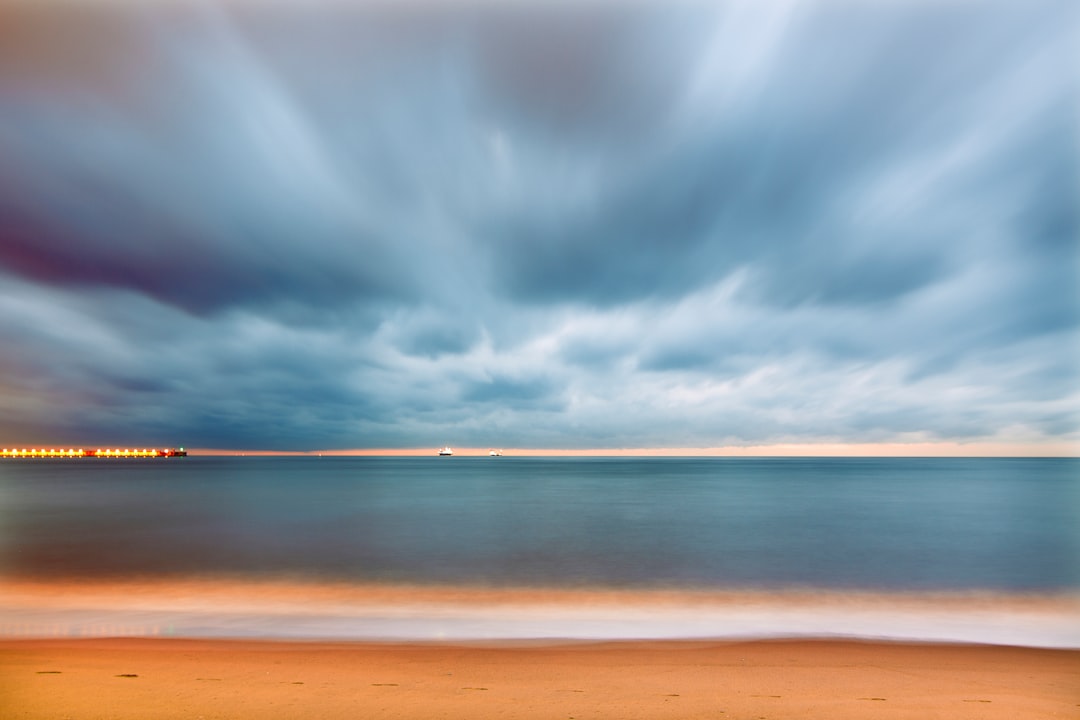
(446, 451)
(495, 453)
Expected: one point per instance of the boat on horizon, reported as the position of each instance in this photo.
(495, 453)
(446, 451)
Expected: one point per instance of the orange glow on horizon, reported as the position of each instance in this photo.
(912, 449)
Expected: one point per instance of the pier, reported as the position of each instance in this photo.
(95, 453)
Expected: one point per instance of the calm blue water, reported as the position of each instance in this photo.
(880, 524)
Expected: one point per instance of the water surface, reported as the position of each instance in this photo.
(878, 524)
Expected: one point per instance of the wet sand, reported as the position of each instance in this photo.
(183, 678)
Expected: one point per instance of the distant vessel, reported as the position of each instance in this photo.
(495, 453)
(446, 451)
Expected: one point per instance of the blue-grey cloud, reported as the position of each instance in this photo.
(609, 224)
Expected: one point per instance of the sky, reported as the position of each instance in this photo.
(549, 225)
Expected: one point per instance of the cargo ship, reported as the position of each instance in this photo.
(95, 453)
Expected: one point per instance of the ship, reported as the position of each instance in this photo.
(446, 451)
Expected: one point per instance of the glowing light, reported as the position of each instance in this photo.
(100, 452)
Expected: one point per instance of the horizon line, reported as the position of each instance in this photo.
(922, 449)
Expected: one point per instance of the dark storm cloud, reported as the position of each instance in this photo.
(519, 393)
(774, 179)
(201, 185)
(613, 224)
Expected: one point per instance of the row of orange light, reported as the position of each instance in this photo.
(71, 452)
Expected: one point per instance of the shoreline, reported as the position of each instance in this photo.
(304, 610)
(184, 678)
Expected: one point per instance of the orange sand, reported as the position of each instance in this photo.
(146, 679)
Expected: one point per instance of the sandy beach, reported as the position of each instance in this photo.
(183, 678)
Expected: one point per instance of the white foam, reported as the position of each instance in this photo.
(1053, 627)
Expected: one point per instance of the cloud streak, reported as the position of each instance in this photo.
(607, 225)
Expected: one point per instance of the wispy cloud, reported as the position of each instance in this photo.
(603, 225)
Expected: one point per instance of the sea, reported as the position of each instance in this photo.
(475, 548)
